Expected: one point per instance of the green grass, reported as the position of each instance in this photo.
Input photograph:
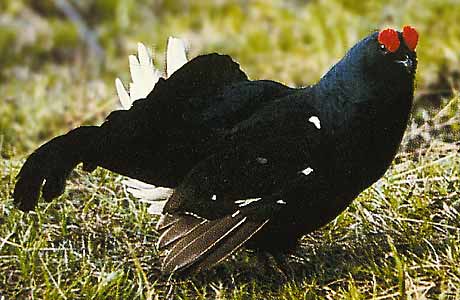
(400, 239)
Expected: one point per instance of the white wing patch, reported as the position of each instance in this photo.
(245, 202)
(307, 171)
(315, 120)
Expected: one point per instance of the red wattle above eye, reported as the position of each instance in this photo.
(410, 36)
(389, 38)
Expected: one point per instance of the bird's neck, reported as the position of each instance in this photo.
(367, 118)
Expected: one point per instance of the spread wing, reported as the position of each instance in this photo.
(227, 198)
(160, 138)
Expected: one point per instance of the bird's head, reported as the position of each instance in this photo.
(392, 54)
(382, 64)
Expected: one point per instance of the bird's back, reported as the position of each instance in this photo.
(182, 121)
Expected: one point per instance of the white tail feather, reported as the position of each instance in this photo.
(149, 75)
(134, 68)
(156, 196)
(146, 191)
(176, 55)
(144, 75)
(137, 184)
(123, 95)
(143, 56)
(156, 208)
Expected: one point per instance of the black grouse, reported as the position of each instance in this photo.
(253, 163)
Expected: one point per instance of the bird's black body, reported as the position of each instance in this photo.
(301, 155)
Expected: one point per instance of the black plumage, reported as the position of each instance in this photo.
(252, 162)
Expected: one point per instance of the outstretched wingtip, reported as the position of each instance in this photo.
(26, 194)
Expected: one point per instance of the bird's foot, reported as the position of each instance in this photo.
(277, 264)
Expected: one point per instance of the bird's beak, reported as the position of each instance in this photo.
(407, 63)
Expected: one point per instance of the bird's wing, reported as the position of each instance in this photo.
(180, 119)
(209, 90)
(171, 99)
(235, 103)
(210, 215)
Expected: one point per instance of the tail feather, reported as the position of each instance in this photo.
(209, 242)
(156, 208)
(167, 220)
(180, 229)
(176, 55)
(123, 95)
(152, 194)
(144, 75)
(156, 196)
(231, 244)
(170, 264)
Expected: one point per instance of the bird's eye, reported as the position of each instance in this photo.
(383, 48)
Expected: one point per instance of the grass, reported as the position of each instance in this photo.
(400, 239)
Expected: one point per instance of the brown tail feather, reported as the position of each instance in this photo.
(166, 220)
(231, 244)
(177, 230)
(209, 243)
(182, 243)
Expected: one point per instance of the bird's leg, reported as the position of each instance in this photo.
(277, 263)
(89, 166)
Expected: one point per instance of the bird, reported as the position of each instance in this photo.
(252, 163)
